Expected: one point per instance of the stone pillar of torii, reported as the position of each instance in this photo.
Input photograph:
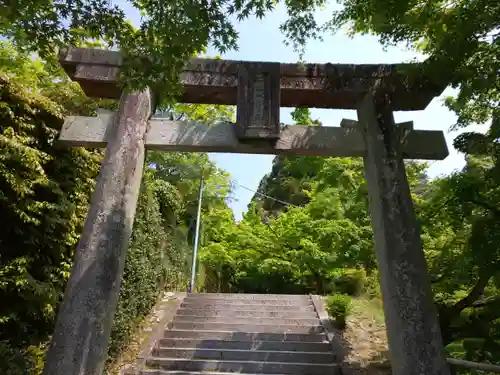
(259, 89)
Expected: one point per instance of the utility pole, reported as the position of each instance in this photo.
(196, 237)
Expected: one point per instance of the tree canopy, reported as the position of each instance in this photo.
(170, 32)
(460, 37)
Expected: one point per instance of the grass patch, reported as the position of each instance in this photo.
(370, 308)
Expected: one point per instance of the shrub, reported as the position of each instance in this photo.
(44, 195)
(338, 307)
(350, 281)
(21, 361)
(372, 286)
(153, 263)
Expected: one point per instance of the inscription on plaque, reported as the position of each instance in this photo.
(259, 96)
(258, 102)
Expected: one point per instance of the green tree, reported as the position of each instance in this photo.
(44, 196)
(315, 223)
(169, 34)
(291, 176)
(461, 37)
(459, 213)
(461, 221)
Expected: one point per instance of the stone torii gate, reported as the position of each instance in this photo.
(258, 89)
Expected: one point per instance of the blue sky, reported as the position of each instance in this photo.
(261, 40)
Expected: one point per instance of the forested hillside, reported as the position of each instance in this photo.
(308, 231)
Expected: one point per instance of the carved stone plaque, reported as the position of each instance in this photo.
(258, 103)
(259, 97)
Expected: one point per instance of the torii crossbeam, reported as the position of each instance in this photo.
(190, 136)
(212, 81)
(215, 81)
(258, 89)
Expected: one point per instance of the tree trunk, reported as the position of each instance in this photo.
(448, 314)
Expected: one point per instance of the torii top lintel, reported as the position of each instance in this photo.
(214, 81)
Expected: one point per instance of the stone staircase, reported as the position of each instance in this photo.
(243, 333)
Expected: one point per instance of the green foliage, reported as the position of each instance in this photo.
(338, 307)
(460, 221)
(371, 287)
(461, 38)
(350, 282)
(169, 34)
(153, 263)
(44, 196)
(22, 360)
(26, 361)
(279, 248)
(302, 116)
(49, 80)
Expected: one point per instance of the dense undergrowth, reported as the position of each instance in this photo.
(44, 195)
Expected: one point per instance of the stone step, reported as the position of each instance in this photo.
(305, 322)
(288, 314)
(264, 328)
(300, 346)
(162, 372)
(297, 368)
(266, 301)
(244, 355)
(243, 336)
(244, 305)
(247, 296)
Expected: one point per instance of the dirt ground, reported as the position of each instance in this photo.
(365, 340)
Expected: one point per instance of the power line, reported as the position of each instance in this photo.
(264, 195)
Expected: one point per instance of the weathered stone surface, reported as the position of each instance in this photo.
(290, 346)
(258, 108)
(211, 81)
(167, 135)
(304, 322)
(244, 355)
(243, 336)
(234, 313)
(248, 367)
(245, 305)
(353, 124)
(414, 336)
(98, 56)
(245, 328)
(80, 341)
